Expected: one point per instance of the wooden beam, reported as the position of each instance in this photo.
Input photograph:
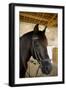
(33, 17)
(27, 17)
(51, 21)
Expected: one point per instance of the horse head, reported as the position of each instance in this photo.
(39, 49)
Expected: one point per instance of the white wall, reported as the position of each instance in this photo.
(4, 45)
(25, 27)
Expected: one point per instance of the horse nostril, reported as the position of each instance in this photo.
(46, 68)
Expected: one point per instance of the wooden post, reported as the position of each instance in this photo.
(55, 55)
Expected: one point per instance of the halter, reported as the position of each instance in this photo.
(36, 52)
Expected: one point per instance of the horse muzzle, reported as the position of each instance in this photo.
(46, 66)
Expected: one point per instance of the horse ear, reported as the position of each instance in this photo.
(36, 29)
(45, 29)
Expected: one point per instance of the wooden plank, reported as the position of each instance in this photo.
(55, 56)
(33, 17)
(51, 21)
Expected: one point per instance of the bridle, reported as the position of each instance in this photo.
(35, 51)
(35, 48)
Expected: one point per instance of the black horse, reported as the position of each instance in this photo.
(34, 44)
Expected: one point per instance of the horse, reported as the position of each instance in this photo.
(34, 43)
